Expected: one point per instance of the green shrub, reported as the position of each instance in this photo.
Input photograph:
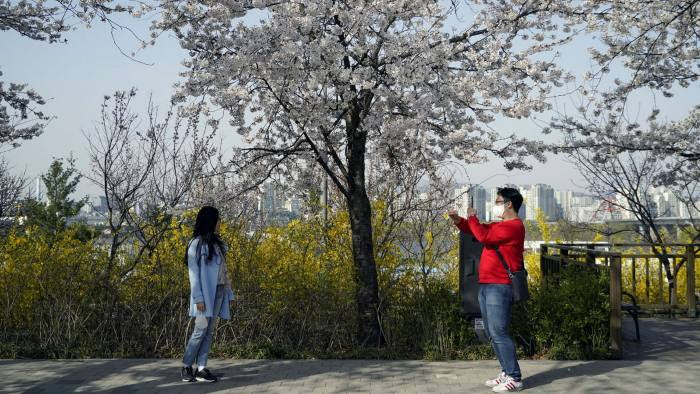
(295, 299)
(567, 316)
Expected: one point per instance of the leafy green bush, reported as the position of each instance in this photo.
(64, 298)
(567, 316)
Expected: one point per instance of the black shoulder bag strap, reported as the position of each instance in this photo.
(505, 264)
(518, 280)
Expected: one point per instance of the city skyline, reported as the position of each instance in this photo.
(553, 203)
(568, 204)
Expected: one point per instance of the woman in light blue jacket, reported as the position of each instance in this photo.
(210, 292)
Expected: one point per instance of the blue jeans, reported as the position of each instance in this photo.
(496, 303)
(198, 346)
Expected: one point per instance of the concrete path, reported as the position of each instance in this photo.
(351, 376)
(666, 361)
(663, 339)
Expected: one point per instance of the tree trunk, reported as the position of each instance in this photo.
(367, 289)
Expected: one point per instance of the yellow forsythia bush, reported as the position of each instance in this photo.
(65, 295)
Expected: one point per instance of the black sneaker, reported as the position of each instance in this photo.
(187, 374)
(205, 376)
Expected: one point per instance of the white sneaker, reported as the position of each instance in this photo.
(495, 382)
(508, 384)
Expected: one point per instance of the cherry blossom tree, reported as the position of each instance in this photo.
(654, 49)
(324, 82)
(20, 115)
(654, 46)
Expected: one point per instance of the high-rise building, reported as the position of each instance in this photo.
(276, 209)
(522, 212)
(623, 207)
(583, 208)
(528, 202)
(541, 197)
(293, 205)
(478, 196)
(270, 202)
(667, 204)
(491, 195)
(95, 204)
(564, 200)
(687, 211)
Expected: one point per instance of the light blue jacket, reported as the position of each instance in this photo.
(204, 275)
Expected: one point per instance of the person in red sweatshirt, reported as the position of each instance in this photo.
(495, 290)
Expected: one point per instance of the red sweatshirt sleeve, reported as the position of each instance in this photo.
(489, 235)
(463, 226)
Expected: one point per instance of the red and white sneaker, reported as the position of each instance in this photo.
(507, 385)
(495, 382)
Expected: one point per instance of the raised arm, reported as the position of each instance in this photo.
(459, 221)
(489, 235)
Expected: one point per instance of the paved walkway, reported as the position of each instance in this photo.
(663, 339)
(351, 376)
(666, 361)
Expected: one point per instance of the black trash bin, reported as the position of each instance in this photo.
(469, 257)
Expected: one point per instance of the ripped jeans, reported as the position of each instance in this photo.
(198, 346)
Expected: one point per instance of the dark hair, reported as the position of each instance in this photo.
(205, 227)
(512, 195)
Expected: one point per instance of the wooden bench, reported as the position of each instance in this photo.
(633, 310)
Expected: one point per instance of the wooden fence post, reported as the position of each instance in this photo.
(544, 271)
(616, 305)
(674, 289)
(564, 255)
(634, 277)
(590, 257)
(661, 282)
(647, 279)
(690, 280)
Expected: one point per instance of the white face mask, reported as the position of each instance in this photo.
(497, 211)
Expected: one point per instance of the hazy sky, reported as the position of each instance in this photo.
(74, 77)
